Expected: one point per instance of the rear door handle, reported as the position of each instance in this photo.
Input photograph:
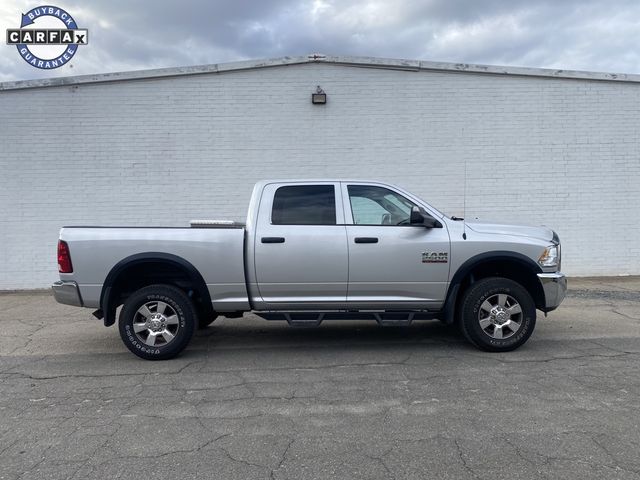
(366, 240)
(272, 239)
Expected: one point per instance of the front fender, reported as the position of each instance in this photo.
(527, 267)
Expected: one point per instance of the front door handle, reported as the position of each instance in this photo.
(272, 239)
(366, 240)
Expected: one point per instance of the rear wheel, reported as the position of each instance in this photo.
(157, 322)
(497, 314)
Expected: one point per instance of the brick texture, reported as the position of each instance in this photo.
(559, 152)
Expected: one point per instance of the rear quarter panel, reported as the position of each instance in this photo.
(216, 253)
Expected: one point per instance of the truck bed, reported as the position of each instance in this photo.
(218, 254)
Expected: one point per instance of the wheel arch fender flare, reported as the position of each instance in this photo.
(106, 300)
(476, 261)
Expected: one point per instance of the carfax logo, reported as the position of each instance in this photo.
(52, 41)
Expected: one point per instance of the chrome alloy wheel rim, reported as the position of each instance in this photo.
(500, 316)
(156, 324)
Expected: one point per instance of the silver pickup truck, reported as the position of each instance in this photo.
(313, 251)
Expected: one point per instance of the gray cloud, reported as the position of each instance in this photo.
(126, 34)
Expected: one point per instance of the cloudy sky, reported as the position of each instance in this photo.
(134, 34)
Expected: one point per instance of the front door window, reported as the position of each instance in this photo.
(372, 205)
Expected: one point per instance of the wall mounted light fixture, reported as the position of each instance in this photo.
(319, 97)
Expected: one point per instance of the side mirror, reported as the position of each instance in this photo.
(416, 217)
(419, 218)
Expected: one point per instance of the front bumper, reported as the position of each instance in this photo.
(554, 286)
(67, 293)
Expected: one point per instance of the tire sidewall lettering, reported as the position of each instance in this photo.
(134, 341)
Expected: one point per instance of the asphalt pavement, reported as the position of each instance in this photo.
(350, 400)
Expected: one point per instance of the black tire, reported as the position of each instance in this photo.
(204, 322)
(473, 315)
(180, 312)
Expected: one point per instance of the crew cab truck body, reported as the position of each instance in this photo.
(313, 251)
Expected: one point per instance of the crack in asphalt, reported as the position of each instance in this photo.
(557, 359)
(465, 465)
(381, 461)
(283, 458)
(613, 310)
(40, 462)
(503, 360)
(239, 460)
(101, 375)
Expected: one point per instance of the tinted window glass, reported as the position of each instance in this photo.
(304, 205)
(372, 205)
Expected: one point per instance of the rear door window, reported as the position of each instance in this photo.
(304, 205)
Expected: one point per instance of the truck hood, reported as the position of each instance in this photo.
(542, 233)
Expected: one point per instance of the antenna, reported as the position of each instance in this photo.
(464, 202)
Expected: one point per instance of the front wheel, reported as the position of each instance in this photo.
(157, 322)
(497, 314)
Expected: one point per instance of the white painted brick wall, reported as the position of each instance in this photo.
(565, 153)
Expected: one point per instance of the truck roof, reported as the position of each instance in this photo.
(307, 180)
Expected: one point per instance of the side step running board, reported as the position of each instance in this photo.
(400, 319)
(313, 319)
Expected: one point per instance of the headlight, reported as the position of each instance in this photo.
(550, 257)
